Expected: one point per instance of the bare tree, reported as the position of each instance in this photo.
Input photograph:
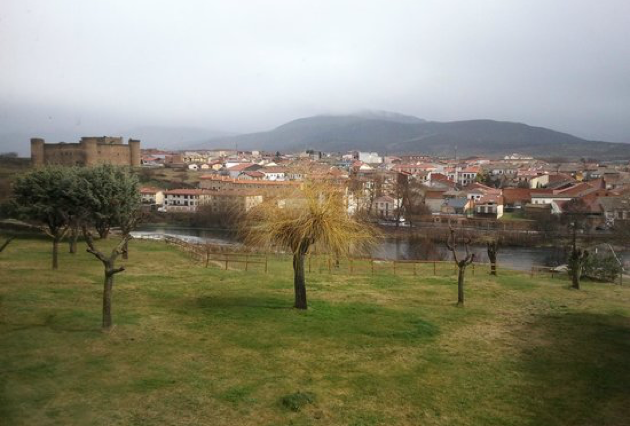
(492, 247)
(414, 202)
(451, 244)
(577, 259)
(576, 214)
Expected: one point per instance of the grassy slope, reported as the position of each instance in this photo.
(197, 347)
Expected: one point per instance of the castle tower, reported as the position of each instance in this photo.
(134, 148)
(90, 150)
(37, 152)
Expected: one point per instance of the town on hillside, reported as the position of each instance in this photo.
(403, 190)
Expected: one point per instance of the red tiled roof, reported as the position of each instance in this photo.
(220, 178)
(576, 190)
(149, 190)
(241, 167)
(273, 169)
(184, 191)
(434, 194)
(513, 195)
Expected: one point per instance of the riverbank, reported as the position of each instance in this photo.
(398, 245)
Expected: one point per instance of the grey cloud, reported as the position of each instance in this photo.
(250, 65)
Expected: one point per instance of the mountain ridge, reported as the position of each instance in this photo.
(390, 134)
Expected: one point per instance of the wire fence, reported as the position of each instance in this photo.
(225, 258)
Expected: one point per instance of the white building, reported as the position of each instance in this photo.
(369, 157)
(152, 196)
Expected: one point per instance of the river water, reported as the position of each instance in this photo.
(511, 257)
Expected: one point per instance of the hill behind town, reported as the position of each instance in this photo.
(398, 134)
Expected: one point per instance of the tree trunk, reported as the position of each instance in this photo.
(74, 236)
(103, 232)
(461, 275)
(55, 252)
(107, 300)
(492, 256)
(125, 251)
(299, 283)
(575, 276)
(576, 262)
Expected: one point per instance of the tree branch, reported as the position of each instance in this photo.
(65, 231)
(451, 244)
(6, 243)
(119, 248)
(47, 231)
(91, 247)
(113, 271)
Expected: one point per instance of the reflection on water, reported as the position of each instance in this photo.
(511, 257)
(190, 235)
(519, 258)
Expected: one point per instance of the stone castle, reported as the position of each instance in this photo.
(90, 151)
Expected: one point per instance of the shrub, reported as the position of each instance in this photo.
(296, 401)
(602, 267)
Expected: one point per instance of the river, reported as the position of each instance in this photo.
(511, 257)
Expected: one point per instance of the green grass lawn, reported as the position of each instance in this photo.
(514, 216)
(195, 346)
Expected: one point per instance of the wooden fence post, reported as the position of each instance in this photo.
(434, 273)
(473, 269)
(309, 263)
(372, 265)
(394, 266)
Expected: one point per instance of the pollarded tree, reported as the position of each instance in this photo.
(45, 196)
(315, 215)
(575, 215)
(492, 248)
(111, 194)
(115, 190)
(461, 263)
(109, 263)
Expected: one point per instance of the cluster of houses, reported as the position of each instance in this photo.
(511, 187)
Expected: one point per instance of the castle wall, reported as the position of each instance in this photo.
(37, 152)
(90, 151)
(65, 154)
(118, 155)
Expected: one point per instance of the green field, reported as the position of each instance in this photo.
(196, 346)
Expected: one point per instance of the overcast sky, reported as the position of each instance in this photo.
(252, 65)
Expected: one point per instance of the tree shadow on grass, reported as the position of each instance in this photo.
(578, 366)
(50, 322)
(359, 321)
(207, 302)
